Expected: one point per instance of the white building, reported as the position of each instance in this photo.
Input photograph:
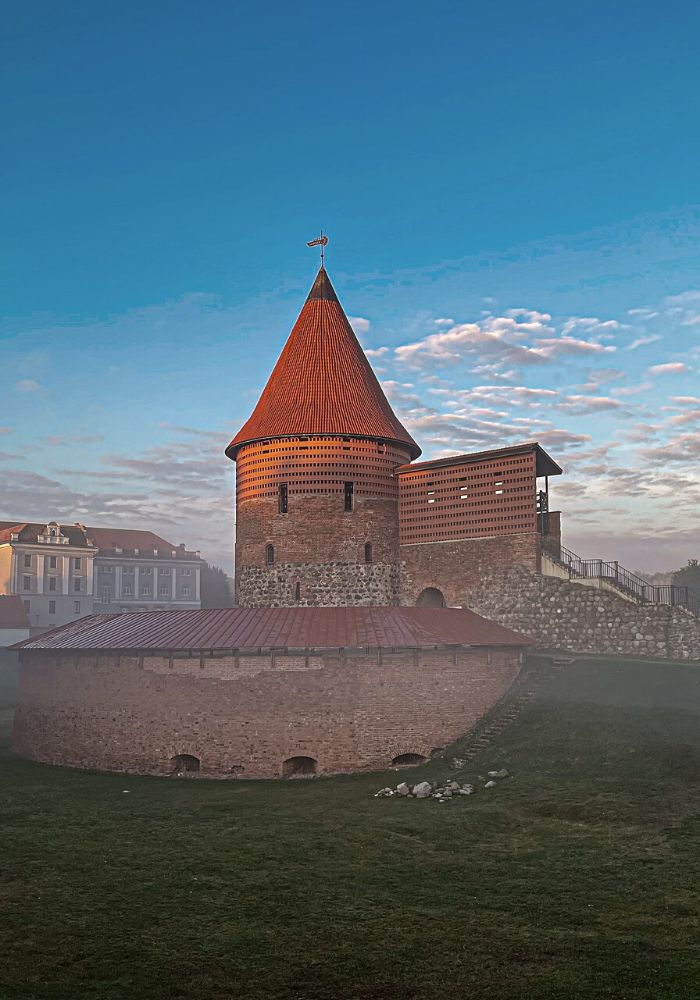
(62, 572)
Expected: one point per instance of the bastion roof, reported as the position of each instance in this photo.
(277, 629)
(322, 383)
(545, 464)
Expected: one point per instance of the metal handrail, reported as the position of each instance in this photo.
(617, 576)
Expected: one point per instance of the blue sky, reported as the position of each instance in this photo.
(513, 197)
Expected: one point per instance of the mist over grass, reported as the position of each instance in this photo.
(577, 877)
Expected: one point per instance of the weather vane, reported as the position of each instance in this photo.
(322, 242)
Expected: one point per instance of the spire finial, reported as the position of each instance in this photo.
(322, 242)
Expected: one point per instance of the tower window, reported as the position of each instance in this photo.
(297, 592)
(283, 498)
(348, 496)
(368, 552)
(269, 554)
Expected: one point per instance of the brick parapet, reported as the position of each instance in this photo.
(352, 711)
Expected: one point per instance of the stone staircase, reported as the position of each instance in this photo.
(525, 689)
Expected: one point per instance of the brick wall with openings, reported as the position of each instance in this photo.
(456, 568)
(561, 615)
(310, 542)
(243, 716)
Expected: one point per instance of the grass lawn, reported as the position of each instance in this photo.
(579, 876)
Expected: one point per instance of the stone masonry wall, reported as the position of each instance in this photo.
(245, 715)
(558, 614)
(334, 584)
(456, 567)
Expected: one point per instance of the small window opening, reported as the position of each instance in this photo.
(348, 496)
(368, 552)
(184, 763)
(283, 498)
(297, 591)
(408, 760)
(299, 767)
(269, 554)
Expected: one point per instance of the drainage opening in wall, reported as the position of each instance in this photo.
(184, 763)
(299, 767)
(408, 760)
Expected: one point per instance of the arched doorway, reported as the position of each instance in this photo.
(408, 760)
(299, 767)
(184, 763)
(431, 597)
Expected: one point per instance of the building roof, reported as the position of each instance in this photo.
(322, 383)
(545, 464)
(13, 613)
(133, 543)
(136, 543)
(278, 628)
(29, 532)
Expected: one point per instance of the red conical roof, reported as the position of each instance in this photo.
(322, 383)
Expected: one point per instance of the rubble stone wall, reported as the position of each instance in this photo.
(245, 715)
(558, 614)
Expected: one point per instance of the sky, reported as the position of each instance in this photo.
(512, 193)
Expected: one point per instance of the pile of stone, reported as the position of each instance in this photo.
(441, 791)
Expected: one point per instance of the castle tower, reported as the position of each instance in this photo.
(316, 494)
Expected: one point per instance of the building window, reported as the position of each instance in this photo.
(368, 552)
(126, 590)
(269, 554)
(145, 591)
(348, 496)
(26, 583)
(52, 607)
(77, 563)
(187, 572)
(297, 592)
(105, 595)
(27, 562)
(76, 607)
(166, 571)
(52, 562)
(52, 583)
(76, 586)
(163, 591)
(283, 498)
(185, 591)
(27, 606)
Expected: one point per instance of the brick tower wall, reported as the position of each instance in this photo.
(317, 543)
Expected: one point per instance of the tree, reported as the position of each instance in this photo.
(216, 589)
(689, 576)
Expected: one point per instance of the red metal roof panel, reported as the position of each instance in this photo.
(278, 628)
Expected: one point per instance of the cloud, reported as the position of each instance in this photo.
(582, 405)
(376, 352)
(27, 385)
(359, 324)
(5, 430)
(668, 368)
(502, 344)
(642, 341)
(70, 440)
